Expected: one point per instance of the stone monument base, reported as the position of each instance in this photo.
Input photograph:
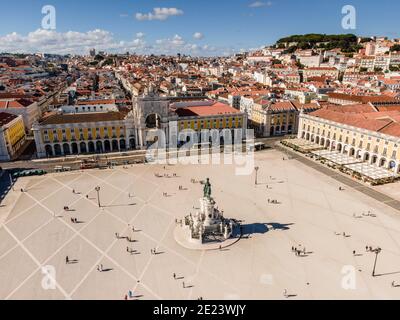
(182, 237)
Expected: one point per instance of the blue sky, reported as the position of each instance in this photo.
(225, 25)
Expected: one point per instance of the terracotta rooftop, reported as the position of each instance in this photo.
(83, 118)
(6, 118)
(206, 110)
(19, 103)
(95, 102)
(363, 117)
(361, 99)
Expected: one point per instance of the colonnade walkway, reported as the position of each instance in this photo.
(347, 181)
(366, 169)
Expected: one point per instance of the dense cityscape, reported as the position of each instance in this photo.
(266, 173)
(54, 106)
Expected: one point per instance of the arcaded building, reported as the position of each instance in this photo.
(363, 131)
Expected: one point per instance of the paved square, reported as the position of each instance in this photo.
(311, 213)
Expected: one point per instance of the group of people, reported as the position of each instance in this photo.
(179, 222)
(369, 214)
(183, 283)
(299, 252)
(344, 234)
(74, 220)
(370, 249)
(129, 239)
(100, 268)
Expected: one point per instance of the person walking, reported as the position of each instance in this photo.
(174, 275)
(66, 260)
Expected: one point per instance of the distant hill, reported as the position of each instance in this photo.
(346, 42)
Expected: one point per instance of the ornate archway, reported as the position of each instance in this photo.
(91, 147)
(57, 150)
(66, 149)
(49, 150)
(107, 146)
(83, 147)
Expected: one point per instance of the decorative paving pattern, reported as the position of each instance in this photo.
(310, 211)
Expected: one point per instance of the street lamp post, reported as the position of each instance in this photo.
(256, 168)
(377, 252)
(98, 196)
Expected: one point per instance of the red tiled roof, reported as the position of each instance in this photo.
(283, 106)
(361, 99)
(55, 119)
(6, 118)
(20, 103)
(363, 117)
(203, 111)
(93, 102)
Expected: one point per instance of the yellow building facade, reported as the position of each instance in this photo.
(12, 135)
(372, 147)
(62, 135)
(219, 123)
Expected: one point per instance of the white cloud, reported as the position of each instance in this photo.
(259, 4)
(198, 36)
(176, 42)
(71, 42)
(159, 14)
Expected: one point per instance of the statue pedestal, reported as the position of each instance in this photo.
(207, 209)
(206, 229)
(182, 237)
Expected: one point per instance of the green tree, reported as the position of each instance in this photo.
(396, 47)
